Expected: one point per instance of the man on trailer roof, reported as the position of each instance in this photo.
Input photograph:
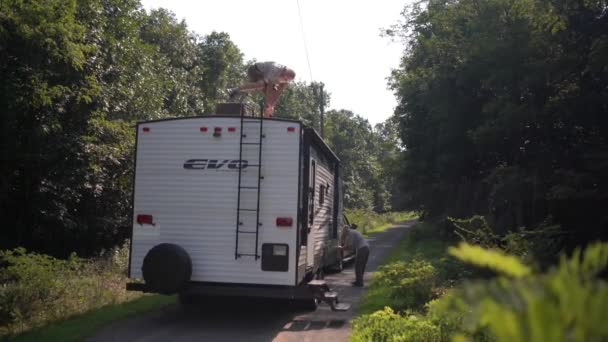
(269, 77)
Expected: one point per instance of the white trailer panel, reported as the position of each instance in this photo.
(196, 207)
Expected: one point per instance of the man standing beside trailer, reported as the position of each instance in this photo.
(356, 242)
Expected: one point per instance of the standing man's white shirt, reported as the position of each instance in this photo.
(356, 240)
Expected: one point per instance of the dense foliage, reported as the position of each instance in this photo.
(503, 112)
(77, 74)
(496, 296)
(37, 288)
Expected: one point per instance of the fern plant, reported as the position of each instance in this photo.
(567, 303)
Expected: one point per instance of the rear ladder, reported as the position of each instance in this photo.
(241, 227)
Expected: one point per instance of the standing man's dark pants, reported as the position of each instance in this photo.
(360, 262)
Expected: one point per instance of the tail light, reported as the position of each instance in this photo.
(145, 219)
(284, 221)
(217, 131)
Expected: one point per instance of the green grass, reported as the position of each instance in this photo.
(82, 326)
(398, 217)
(370, 222)
(419, 243)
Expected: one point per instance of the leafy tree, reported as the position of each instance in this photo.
(501, 112)
(353, 140)
(222, 67)
(302, 101)
(76, 75)
(45, 104)
(184, 69)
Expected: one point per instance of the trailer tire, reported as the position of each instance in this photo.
(339, 266)
(307, 304)
(167, 268)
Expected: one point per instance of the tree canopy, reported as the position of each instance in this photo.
(503, 112)
(77, 74)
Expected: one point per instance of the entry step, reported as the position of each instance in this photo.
(317, 282)
(330, 294)
(340, 307)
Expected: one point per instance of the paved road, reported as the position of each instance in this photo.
(256, 320)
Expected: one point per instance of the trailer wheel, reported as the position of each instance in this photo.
(167, 268)
(339, 266)
(307, 304)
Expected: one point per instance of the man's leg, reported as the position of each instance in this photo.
(272, 93)
(360, 262)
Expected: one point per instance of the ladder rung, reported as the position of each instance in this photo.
(246, 232)
(247, 209)
(253, 255)
(249, 187)
(251, 144)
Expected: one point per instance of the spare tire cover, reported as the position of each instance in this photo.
(167, 268)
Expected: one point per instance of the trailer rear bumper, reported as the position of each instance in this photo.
(237, 290)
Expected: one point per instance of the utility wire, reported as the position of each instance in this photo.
(304, 39)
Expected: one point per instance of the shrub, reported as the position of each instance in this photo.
(410, 284)
(569, 302)
(388, 326)
(37, 288)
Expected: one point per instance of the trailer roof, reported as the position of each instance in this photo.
(309, 132)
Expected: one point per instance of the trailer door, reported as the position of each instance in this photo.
(310, 248)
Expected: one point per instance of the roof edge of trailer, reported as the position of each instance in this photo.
(214, 116)
(318, 141)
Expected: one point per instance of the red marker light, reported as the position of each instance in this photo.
(217, 131)
(145, 219)
(146, 129)
(284, 221)
(291, 129)
(231, 129)
(203, 129)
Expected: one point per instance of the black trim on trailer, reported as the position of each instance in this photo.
(334, 232)
(297, 246)
(238, 290)
(305, 185)
(317, 141)
(133, 199)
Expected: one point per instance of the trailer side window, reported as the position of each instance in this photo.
(321, 194)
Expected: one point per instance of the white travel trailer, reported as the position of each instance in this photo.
(235, 205)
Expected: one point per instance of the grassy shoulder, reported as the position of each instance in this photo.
(420, 293)
(417, 245)
(43, 298)
(79, 327)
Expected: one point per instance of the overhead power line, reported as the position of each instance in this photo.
(304, 39)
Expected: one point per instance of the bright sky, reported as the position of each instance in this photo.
(345, 49)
